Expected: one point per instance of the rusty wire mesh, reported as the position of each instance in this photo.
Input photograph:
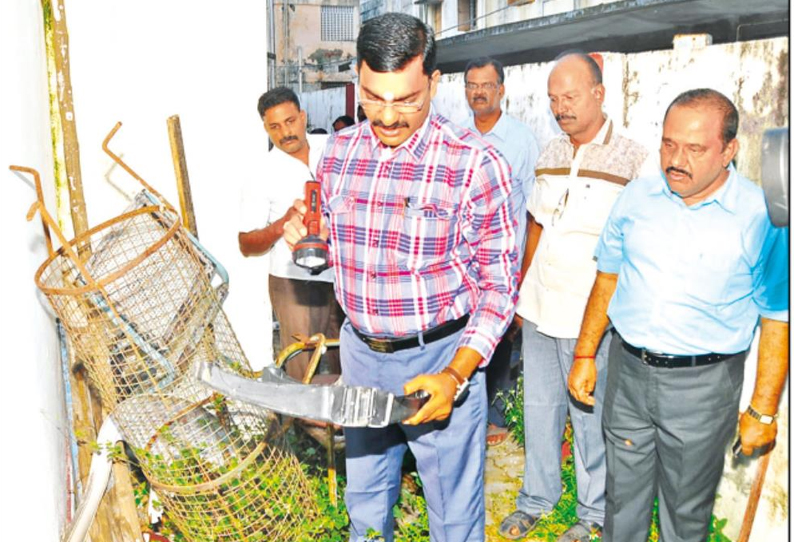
(145, 307)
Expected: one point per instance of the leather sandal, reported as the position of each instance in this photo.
(517, 525)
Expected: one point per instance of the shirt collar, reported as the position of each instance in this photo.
(727, 196)
(603, 137)
(500, 129)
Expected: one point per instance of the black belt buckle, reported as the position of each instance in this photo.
(382, 346)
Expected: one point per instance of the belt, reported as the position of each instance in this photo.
(388, 346)
(669, 361)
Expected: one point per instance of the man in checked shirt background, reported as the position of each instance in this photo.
(422, 242)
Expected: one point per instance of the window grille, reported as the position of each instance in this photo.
(336, 23)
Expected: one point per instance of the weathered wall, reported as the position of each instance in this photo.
(323, 107)
(305, 31)
(141, 62)
(35, 451)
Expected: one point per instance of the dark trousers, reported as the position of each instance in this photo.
(666, 434)
(498, 378)
(306, 307)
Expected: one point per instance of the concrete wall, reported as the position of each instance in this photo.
(305, 31)
(34, 457)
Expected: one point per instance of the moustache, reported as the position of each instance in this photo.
(288, 139)
(558, 118)
(480, 99)
(394, 126)
(675, 169)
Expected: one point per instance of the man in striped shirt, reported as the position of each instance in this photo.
(422, 241)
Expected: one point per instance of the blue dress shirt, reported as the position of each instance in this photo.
(517, 143)
(693, 279)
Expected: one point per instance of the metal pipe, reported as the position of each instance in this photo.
(40, 199)
(98, 478)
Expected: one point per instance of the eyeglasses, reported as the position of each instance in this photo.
(376, 106)
(556, 216)
(484, 86)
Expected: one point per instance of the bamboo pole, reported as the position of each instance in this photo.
(180, 170)
(116, 519)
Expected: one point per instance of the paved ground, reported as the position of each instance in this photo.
(504, 467)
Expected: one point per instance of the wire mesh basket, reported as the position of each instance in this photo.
(140, 301)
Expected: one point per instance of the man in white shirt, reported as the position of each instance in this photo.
(484, 78)
(578, 176)
(303, 303)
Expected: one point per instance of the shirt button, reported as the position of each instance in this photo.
(372, 275)
(379, 204)
(374, 243)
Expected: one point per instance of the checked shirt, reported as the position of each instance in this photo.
(421, 234)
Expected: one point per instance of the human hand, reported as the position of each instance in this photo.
(442, 388)
(582, 379)
(754, 434)
(294, 229)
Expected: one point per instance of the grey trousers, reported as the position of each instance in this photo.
(666, 433)
(307, 307)
(547, 363)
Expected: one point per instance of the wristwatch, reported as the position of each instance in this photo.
(766, 419)
(462, 384)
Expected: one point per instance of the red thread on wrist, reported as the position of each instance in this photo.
(584, 357)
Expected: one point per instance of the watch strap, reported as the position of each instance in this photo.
(766, 419)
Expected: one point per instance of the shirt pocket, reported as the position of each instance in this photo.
(342, 223)
(425, 235)
(711, 271)
(592, 204)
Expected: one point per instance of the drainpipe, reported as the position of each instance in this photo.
(300, 70)
(98, 478)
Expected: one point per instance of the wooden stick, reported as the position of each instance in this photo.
(180, 170)
(755, 496)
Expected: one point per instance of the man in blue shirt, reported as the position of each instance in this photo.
(687, 263)
(485, 88)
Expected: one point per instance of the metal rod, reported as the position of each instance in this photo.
(40, 199)
(116, 158)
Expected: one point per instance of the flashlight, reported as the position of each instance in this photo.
(311, 252)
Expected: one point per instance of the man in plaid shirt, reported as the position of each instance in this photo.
(422, 242)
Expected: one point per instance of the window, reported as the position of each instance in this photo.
(467, 15)
(336, 23)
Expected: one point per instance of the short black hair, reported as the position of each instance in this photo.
(592, 65)
(711, 98)
(276, 96)
(347, 119)
(319, 131)
(390, 41)
(483, 62)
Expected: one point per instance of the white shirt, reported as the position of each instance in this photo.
(264, 199)
(572, 197)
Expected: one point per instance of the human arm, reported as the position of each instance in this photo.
(582, 378)
(773, 351)
(259, 241)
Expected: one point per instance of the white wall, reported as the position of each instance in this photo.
(141, 62)
(34, 454)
